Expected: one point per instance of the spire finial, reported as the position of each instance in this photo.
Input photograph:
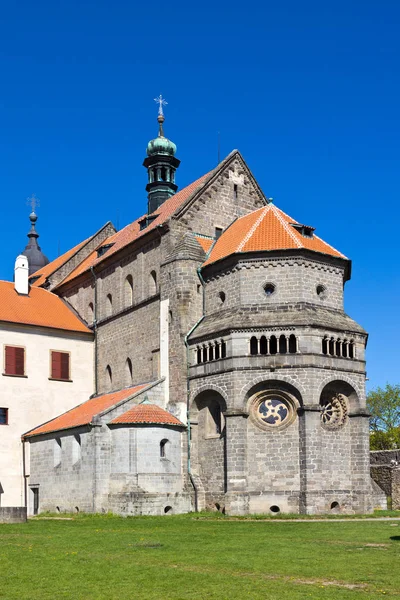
(161, 102)
(33, 202)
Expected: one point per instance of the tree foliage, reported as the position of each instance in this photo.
(384, 406)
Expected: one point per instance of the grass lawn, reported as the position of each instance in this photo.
(181, 557)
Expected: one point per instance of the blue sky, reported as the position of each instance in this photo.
(308, 92)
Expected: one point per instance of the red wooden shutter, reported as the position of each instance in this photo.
(10, 360)
(15, 361)
(60, 365)
(56, 365)
(64, 365)
(19, 361)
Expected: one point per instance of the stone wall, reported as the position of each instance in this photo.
(110, 467)
(13, 514)
(295, 279)
(385, 471)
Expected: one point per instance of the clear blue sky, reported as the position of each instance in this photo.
(307, 91)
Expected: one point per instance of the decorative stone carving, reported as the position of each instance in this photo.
(333, 411)
(272, 410)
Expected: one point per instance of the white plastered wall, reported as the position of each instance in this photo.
(35, 399)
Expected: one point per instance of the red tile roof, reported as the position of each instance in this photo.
(267, 228)
(132, 232)
(205, 243)
(39, 307)
(55, 264)
(84, 413)
(147, 413)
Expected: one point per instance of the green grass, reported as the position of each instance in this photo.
(184, 558)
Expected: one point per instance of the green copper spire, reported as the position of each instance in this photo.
(161, 164)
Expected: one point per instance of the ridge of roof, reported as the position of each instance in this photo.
(40, 308)
(52, 266)
(131, 232)
(84, 413)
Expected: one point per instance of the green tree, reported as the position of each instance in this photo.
(384, 406)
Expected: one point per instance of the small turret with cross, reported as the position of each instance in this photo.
(161, 164)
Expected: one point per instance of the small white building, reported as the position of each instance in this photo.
(47, 368)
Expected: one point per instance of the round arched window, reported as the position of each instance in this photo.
(272, 409)
(269, 289)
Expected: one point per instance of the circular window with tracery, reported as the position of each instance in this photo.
(272, 410)
(333, 411)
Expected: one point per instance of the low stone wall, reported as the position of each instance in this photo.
(385, 471)
(13, 514)
(384, 457)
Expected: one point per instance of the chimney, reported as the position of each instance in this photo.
(21, 273)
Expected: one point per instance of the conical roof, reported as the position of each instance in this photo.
(147, 414)
(267, 229)
(36, 259)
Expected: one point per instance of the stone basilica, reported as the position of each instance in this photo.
(226, 373)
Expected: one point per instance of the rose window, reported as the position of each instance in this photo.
(333, 411)
(272, 409)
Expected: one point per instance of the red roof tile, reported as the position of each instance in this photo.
(147, 413)
(39, 307)
(55, 264)
(84, 413)
(267, 228)
(205, 243)
(132, 232)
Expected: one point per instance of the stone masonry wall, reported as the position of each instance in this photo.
(219, 204)
(295, 280)
(108, 461)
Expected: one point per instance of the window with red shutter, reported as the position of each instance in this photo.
(60, 365)
(14, 361)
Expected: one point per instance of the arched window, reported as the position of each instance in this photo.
(109, 376)
(253, 346)
(163, 448)
(273, 345)
(338, 348)
(128, 290)
(205, 357)
(90, 312)
(351, 349)
(344, 348)
(282, 344)
(215, 420)
(217, 351)
(325, 345)
(292, 344)
(332, 347)
(153, 283)
(199, 356)
(223, 349)
(263, 345)
(210, 352)
(128, 371)
(109, 305)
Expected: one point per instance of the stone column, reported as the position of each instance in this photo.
(310, 462)
(237, 499)
(360, 461)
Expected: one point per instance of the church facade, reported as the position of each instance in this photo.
(227, 374)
